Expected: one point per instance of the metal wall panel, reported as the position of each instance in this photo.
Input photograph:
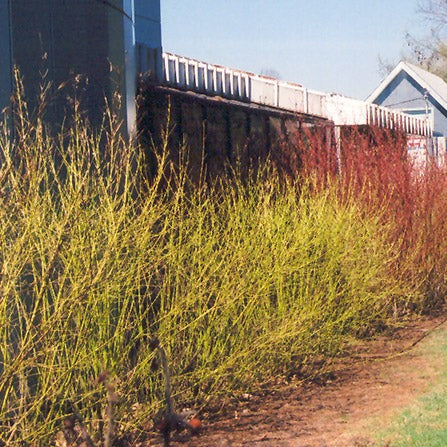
(148, 23)
(148, 36)
(56, 40)
(129, 62)
(5, 55)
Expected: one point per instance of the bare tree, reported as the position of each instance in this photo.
(430, 51)
(270, 72)
(436, 12)
(385, 66)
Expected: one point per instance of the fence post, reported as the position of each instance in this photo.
(337, 134)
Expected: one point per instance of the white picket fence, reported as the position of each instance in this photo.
(216, 80)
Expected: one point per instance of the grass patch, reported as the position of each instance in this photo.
(423, 424)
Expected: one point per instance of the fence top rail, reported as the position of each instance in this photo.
(247, 86)
(253, 76)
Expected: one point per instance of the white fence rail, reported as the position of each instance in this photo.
(348, 111)
(206, 78)
(191, 74)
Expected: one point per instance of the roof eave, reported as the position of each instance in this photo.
(382, 86)
(442, 101)
(407, 68)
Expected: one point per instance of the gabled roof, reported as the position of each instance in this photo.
(435, 86)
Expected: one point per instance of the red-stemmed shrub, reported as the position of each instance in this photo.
(373, 167)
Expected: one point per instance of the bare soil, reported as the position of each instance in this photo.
(368, 385)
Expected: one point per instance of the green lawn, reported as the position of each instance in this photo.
(423, 423)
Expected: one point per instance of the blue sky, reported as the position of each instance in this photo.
(326, 45)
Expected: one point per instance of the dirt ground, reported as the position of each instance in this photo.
(373, 381)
